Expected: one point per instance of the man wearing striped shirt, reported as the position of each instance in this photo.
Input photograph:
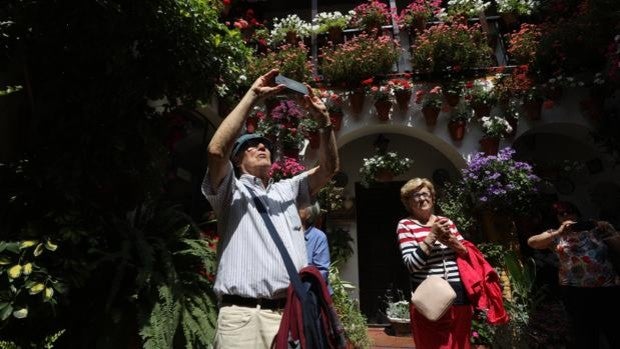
(429, 245)
(251, 279)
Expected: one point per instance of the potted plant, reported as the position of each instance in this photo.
(458, 122)
(286, 167)
(370, 16)
(481, 96)
(431, 101)
(397, 312)
(310, 129)
(494, 128)
(383, 167)
(523, 44)
(332, 24)
(499, 183)
(510, 9)
(417, 13)
(292, 60)
(360, 58)
(353, 321)
(290, 29)
(333, 102)
(449, 48)
(462, 9)
(401, 88)
(382, 95)
(331, 197)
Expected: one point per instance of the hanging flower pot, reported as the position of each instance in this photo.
(356, 100)
(430, 115)
(533, 108)
(402, 98)
(383, 109)
(292, 38)
(489, 145)
(336, 119)
(384, 175)
(335, 35)
(251, 123)
(456, 128)
(314, 139)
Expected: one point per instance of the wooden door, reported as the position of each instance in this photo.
(380, 266)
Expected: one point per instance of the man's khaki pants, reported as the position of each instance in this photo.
(245, 327)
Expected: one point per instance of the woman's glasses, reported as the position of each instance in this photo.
(420, 196)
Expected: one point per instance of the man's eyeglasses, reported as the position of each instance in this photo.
(423, 195)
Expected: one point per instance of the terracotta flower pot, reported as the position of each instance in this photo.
(356, 100)
(456, 128)
(430, 115)
(292, 38)
(336, 119)
(383, 109)
(334, 34)
(384, 176)
(489, 145)
(402, 98)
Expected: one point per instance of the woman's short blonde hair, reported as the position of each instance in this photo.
(414, 185)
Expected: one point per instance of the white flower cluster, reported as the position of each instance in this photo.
(290, 23)
(522, 7)
(389, 161)
(495, 126)
(325, 20)
(467, 7)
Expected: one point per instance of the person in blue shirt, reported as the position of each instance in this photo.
(317, 246)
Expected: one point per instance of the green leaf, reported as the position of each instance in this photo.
(6, 311)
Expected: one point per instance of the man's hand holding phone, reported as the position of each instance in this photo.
(291, 84)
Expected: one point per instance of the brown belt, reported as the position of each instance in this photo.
(272, 304)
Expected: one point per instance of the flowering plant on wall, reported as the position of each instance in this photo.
(370, 14)
(292, 60)
(430, 99)
(520, 7)
(383, 161)
(289, 24)
(500, 182)
(418, 12)
(331, 197)
(467, 8)
(380, 92)
(522, 44)
(324, 21)
(286, 167)
(450, 47)
(496, 127)
(480, 92)
(400, 84)
(357, 59)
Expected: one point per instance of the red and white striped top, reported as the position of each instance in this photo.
(420, 265)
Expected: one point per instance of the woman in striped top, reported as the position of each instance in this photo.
(429, 245)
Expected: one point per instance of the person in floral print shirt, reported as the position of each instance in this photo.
(589, 284)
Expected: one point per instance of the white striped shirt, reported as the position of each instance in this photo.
(420, 265)
(249, 263)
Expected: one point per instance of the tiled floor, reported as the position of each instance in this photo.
(383, 338)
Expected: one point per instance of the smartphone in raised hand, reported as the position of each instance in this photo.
(292, 84)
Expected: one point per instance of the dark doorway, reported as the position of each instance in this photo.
(380, 266)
